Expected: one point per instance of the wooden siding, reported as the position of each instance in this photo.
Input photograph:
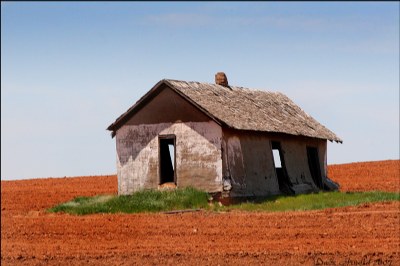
(167, 107)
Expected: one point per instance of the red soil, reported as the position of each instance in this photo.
(368, 234)
(366, 176)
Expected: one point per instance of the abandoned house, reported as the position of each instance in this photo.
(220, 138)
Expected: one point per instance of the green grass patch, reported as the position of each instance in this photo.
(190, 198)
(141, 201)
(315, 201)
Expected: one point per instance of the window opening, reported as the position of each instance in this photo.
(167, 160)
(313, 164)
(285, 186)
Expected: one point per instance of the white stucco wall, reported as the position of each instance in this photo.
(198, 155)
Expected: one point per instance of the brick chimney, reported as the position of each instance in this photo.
(221, 79)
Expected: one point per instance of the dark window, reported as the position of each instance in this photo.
(280, 168)
(313, 164)
(167, 159)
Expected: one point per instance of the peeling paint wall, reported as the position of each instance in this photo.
(249, 164)
(295, 154)
(198, 155)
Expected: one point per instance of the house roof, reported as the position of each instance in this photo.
(241, 108)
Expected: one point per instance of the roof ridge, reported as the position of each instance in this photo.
(231, 86)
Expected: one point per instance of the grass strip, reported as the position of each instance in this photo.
(190, 198)
(315, 201)
(141, 201)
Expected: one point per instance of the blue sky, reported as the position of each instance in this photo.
(68, 70)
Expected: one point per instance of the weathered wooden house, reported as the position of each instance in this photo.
(220, 138)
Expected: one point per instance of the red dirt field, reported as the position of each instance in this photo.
(367, 176)
(361, 235)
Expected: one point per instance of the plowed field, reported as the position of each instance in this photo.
(362, 235)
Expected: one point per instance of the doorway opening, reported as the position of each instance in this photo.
(285, 186)
(313, 164)
(167, 161)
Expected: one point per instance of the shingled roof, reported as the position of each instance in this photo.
(242, 108)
